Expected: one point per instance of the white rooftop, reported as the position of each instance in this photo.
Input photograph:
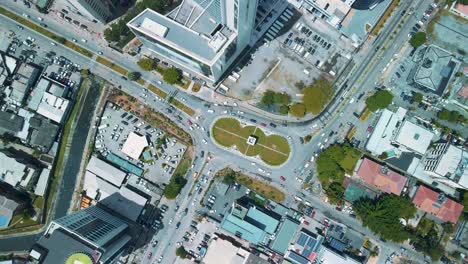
(106, 171)
(222, 251)
(414, 137)
(52, 107)
(330, 257)
(134, 145)
(11, 171)
(97, 188)
(42, 182)
(449, 161)
(154, 27)
(381, 138)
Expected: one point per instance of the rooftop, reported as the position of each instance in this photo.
(11, 170)
(42, 182)
(126, 203)
(381, 177)
(381, 138)
(306, 245)
(106, 171)
(53, 107)
(414, 137)
(7, 208)
(284, 236)
(190, 28)
(134, 145)
(331, 257)
(435, 69)
(437, 204)
(355, 192)
(43, 132)
(10, 123)
(223, 251)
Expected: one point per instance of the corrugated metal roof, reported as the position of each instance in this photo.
(286, 233)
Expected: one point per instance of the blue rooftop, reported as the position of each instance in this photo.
(243, 229)
(285, 234)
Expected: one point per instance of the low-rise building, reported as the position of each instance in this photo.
(437, 204)
(42, 132)
(13, 172)
(380, 176)
(243, 221)
(48, 99)
(7, 209)
(333, 11)
(134, 145)
(23, 79)
(305, 248)
(224, 251)
(434, 70)
(459, 9)
(10, 123)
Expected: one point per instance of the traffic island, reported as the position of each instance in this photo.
(251, 141)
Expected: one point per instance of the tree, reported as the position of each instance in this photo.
(171, 76)
(175, 185)
(282, 98)
(382, 215)
(85, 72)
(451, 116)
(418, 39)
(133, 76)
(229, 178)
(379, 100)
(284, 109)
(268, 98)
(316, 96)
(146, 64)
(181, 252)
(417, 97)
(59, 39)
(297, 110)
(335, 192)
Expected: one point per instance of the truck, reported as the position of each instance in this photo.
(101, 127)
(195, 175)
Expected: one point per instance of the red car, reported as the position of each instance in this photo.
(263, 124)
(282, 178)
(190, 122)
(312, 214)
(326, 222)
(306, 223)
(150, 255)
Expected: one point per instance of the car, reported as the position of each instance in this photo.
(273, 125)
(326, 222)
(282, 178)
(74, 40)
(263, 124)
(398, 74)
(20, 27)
(253, 120)
(53, 44)
(305, 222)
(160, 259)
(312, 215)
(204, 141)
(177, 225)
(150, 255)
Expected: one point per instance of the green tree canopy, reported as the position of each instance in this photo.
(335, 193)
(268, 98)
(379, 100)
(147, 64)
(282, 98)
(284, 109)
(297, 110)
(417, 97)
(133, 76)
(418, 39)
(175, 185)
(181, 252)
(172, 76)
(383, 214)
(317, 95)
(451, 116)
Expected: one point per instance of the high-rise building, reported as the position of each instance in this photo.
(91, 235)
(101, 10)
(202, 37)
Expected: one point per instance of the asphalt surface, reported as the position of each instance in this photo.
(369, 65)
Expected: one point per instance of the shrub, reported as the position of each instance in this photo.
(171, 76)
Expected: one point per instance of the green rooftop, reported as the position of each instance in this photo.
(286, 232)
(245, 230)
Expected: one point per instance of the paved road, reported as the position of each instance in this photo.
(340, 111)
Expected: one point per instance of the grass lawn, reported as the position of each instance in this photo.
(157, 91)
(196, 87)
(25, 22)
(365, 115)
(273, 149)
(189, 111)
(112, 65)
(350, 160)
(141, 81)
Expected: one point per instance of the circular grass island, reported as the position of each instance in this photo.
(274, 149)
(79, 258)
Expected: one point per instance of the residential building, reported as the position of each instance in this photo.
(202, 37)
(92, 234)
(7, 209)
(249, 222)
(434, 70)
(14, 172)
(23, 79)
(42, 132)
(381, 138)
(459, 9)
(10, 123)
(437, 204)
(99, 10)
(48, 99)
(333, 11)
(380, 176)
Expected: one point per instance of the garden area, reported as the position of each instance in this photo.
(315, 97)
(269, 192)
(272, 149)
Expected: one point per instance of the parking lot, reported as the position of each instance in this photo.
(293, 51)
(219, 198)
(158, 160)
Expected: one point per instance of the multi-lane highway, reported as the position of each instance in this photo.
(370, 63)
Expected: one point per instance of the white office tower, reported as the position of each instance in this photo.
(202, 37)
(91, 235)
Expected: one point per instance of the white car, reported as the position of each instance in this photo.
(53, 44)
(253, 164)
(211, 111)
(204, 141)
